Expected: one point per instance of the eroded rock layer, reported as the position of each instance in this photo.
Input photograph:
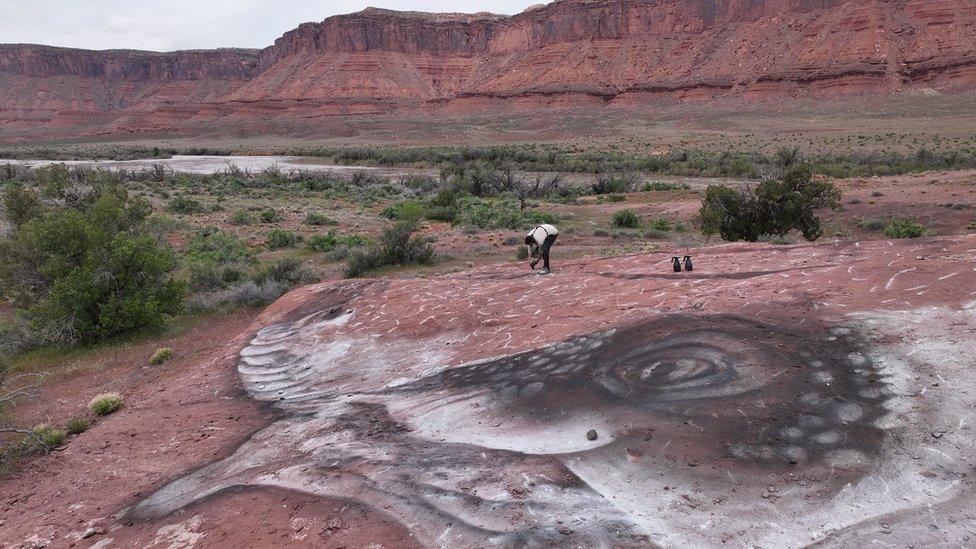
(622, 52)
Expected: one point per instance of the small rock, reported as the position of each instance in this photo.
(91, 531)
(591, 434)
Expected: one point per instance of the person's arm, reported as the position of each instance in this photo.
(534, 255)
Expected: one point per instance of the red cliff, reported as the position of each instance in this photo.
(619, 52)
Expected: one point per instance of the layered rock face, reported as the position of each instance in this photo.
(571, 52)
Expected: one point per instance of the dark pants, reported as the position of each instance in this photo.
(544, 249)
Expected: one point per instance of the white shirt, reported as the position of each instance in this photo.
(540, 233)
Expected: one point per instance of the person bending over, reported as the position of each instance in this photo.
(539, 240)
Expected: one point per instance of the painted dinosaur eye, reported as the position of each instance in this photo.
(668, 370)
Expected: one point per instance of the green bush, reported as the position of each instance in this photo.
(363, 261)
(287, 272)
(21, 204)
(409, 210)
(613, 184)
(661, 224)
(522, 253)
(277, 239)
(626, 218)
(900, 227)
(215, 259)
(183, 204)
(47, 436)
(498, 214)
(318, 219)
(90, 271)
(773, 208)
(661, 186)
(242, 217)
(77, 425)
(330, 241)
(445, 198)
(447, 214)
(270, 215)
(443, 206)
(871, 224)
(161, 356)
(397, 246)
(105, 403)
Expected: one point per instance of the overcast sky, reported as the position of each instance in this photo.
(164, 25)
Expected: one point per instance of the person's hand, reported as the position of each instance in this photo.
(533, 263)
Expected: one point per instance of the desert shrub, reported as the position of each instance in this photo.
(872, 223)
(77, 425)
(246, 293)
(959, 206)
(105, 403)
(971, 226)
(47, 436)
(330, 241)
(183, 204)
(613, 184)
(901, 227)
(286, 271)
(409, 210)
(404, 248)
(242, 217)
(21, 204)
(15, 338)
(277, 239)
(626, 218)
(396, 246)
(522, 253)
(615, 198)
(161, 356)
(656, 234)
(782, 240)
(661, 224)
(90, 270)
(216, 259)
(772, 208)
(161, 225)
(318, 219)
(363, 261)
(270, 215)
(446, 197)
(498, 214)
(447, 214)
(877, 194)
(231, 278)
(661, 186)
(443, 206)
(322, 242)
